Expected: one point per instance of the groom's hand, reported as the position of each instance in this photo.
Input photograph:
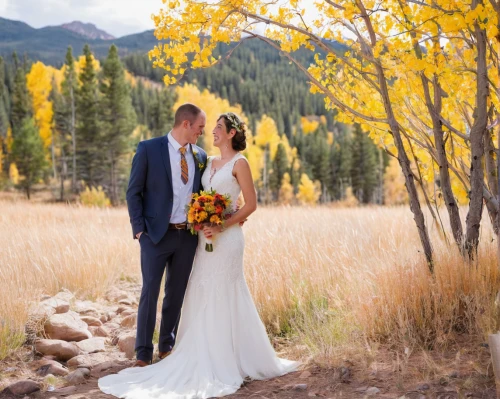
(138, 235)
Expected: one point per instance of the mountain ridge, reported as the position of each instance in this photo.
(87, 30)
(49, 44)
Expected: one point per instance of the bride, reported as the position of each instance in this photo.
(221, 339)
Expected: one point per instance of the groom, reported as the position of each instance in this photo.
(165, 172)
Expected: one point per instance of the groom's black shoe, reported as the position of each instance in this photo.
(140, 363)
(163, 355)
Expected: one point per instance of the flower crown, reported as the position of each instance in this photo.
(235, 121)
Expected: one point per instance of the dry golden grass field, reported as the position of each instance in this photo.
(333, 282)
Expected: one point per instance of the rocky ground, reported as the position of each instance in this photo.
(72, 343)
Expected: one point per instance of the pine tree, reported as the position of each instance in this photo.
(89, 145)
(21, 102)
(163, 115)
(364, 166)
(117, 116)
(340, 164)
(69, 92)
(28, 155)
(4, 119)
(280, 165)
(62, 130)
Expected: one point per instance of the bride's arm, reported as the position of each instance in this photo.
(243, 174)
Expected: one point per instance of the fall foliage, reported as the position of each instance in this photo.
(413, 74)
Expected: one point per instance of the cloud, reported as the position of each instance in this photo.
(117, 17)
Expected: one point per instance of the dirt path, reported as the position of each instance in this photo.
(326, 383)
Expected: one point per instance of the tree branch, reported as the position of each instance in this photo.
(328, 93)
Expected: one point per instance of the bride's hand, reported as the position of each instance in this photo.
(211, 231)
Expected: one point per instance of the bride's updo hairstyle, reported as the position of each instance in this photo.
(239, 141)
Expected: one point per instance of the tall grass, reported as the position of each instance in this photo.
(44, 248)
(328, 278)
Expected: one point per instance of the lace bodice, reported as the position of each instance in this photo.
(223, 180)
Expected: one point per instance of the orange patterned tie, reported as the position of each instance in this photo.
(184, 166)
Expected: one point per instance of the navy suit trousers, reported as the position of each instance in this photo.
(174, 253)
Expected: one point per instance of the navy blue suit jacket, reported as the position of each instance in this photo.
(150, 195)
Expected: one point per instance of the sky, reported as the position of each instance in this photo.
(117, 17)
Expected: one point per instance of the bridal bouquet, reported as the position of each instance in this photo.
(207, 208)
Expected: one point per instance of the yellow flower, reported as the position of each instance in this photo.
(209, 208)
(215, 219)
(201, 217)
(201, 165)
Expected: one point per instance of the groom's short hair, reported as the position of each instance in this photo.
(187, 112)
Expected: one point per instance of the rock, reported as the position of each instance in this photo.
(103, 319)
(24, 387)
(305, 374)
(66, 390)
(92, 345)
(126, 343)
(121, 309)
(91, 321)
(67, 327)
(88, 360)
(97, 370)
(42, 312)
(454, 374)
(101, 331)
(345, 374)
(116, 295)
(423, 387)
(62, 350)
(59, 305)
(372, 391)
(129, 321)
(111, 326)
(128, 312)
(77, 377)
(52, 368)
(36, 364)
(86, 308)
(300, 387)
(111, 315)
(65, 295)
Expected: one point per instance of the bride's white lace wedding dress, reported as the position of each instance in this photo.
(221, 339)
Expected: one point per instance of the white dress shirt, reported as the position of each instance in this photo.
(182, 192)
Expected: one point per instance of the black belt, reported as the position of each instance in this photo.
(177, 226)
